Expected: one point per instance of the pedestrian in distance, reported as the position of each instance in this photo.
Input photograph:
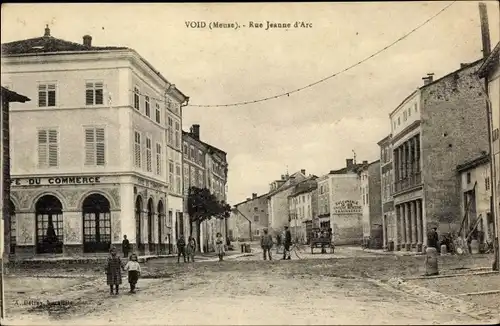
(219, 246)
(181, 248)
(190, 249)
(433, 238)
(287, 243)
(114, 271)
(266, 243)
(125, 246)
(134, 271)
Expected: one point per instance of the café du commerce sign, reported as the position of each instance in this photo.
(57, 180)
(347, 207)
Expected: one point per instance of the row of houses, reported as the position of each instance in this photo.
(346, 200)
(99, 152)
(434, 171)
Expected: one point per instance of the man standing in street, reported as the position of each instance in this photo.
(287, 243)
(125, 246)
(266, 243)
(433, 238)
(181, 248)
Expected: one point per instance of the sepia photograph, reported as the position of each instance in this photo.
(266, 163)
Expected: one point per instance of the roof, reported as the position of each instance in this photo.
(403, 101)
(12, 96)
(288, 184)
(384, 140)
(48, 44)
(484, 158)
(305, 186)
(345, 170)
(213, 148)
(251, 199)
(490, 62)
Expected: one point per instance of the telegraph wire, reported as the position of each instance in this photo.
(328, 77)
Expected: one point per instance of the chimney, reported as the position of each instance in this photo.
(349, 163)
(47, 31)
(195, 131)
(485, 29)
(248, 199)
(87, 40)
(365, 162)
(428, 79)
(254, 195)
(282, 177)
(303, 171)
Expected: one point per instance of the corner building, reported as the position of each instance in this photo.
(89, 152)
(438, 127)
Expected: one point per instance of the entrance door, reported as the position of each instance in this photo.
(138, 225)
(96, 224)
(49, 225)
(161, 223)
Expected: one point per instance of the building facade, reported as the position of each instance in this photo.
(387, 188)
(370, 189)
(490, 72)
(475, 192)
(277, 200)
(302, 209)
(439, 126)
(249, 219)
(97, 132)
(8, 223)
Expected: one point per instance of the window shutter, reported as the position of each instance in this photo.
(100, 146)
(53, 148)
(148, 155)
(89, 146)
(51, 88)
(42, 148)
(89, 93)
(42, 95)
(99, 93)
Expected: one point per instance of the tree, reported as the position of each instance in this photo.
(202, 205)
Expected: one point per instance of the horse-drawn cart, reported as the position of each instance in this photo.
(321, 240)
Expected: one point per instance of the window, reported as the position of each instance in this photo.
(186, 179)
(405, 115)
(137, 149)
(256, 218)
(256, 233)
(147, 106)
(200, 157)
(94, 93)
(399, 121)
(255, 209)
(137, 104)
(495, 135)
(415, 107)
(468, 177)
(409, 112)
(178, 178)
(158, 113)
(171, 174)
(48, 148)
(487, 183)
(95, 146)
(177, 135)
(170, 135)
(200, 178)
(47, 95)
(186, 150)
(193, 177)
(192, 156)
(158, 159)
(149, 145)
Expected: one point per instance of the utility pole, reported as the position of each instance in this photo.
(485, 37)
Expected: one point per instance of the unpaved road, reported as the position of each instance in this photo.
(236, 292)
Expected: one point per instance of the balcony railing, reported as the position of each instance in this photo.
(408, 182)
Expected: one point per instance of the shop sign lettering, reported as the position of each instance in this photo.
(346, 207)
(62, 180)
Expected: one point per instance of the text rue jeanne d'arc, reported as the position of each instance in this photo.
(267, 25)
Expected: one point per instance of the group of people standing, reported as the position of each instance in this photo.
(188, 250)
(114, 267)
(267, 243)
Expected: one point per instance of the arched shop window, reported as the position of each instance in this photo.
(161, 223)
(96, 224)
(13, 226)
(138, 225)
(49, 225)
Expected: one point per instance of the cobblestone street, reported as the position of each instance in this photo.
(247, 290)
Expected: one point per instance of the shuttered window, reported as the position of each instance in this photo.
(158, 113)
(136, 99)
(149, 167)
(94, 92)
(171, 174)
(158, 159)
(48, 148)
(170, 133)
(177, 135)
(147, 106)
(137, 149)
(47, 95)
(178, 178)
(95, 146)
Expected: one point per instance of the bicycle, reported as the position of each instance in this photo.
(297, 248)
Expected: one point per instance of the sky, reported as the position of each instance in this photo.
(316, 129)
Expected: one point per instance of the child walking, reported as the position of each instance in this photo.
(219, 244)
(113, 271)
(134, 271)
(190, 249)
